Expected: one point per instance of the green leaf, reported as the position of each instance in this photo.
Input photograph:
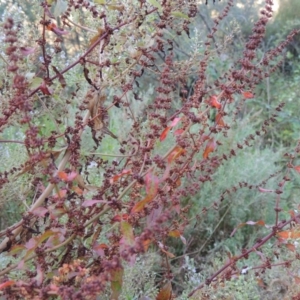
(35, 83)
(60, 7)
(179, 14)
(155, 4)
(116, 283)
(101, 2)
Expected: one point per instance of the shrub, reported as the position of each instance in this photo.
(116, 146)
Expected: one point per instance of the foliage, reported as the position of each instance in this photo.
(128, 145)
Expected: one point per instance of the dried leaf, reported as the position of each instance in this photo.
(140, 205)
(77, 190)
(213, 101)
(6, 284)
(219, 120)
(162, 248)
(146, 244)
(97, 36)
(210, 147)
(165, 292)
(58, 31)
(291, 247)
(61, 78)
(252, 223)
(119, 8)
(265, 190)
(175, 233)
(118, 176)
(164, 134)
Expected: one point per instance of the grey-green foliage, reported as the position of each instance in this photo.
(139, 279)
(252, 165)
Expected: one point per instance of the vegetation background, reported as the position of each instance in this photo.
(238, 190)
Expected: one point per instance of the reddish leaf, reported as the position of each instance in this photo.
(151, 182)
(289, 234)
(62, 175)
(67, 177)
(213, 101)
(167, 129)
(292, 213)
(60, 194)
(265, 190)
(88, 203)
(140, 205)
(247, 95)
(27, 50)
(119, 218)
(6, 284)
(291, 247)
(77, 190)
(44, 89)
(56, 212)
(178, 132)
(174, 122)
(40, 211)
(297, 168)
(146, 244)
(164, 134)
(165, 292)
(118, 176)
(175, 154)
(99, 249)
(52, 27)
(31, 244)
(219, 120)
(210, 147)
(297, 279)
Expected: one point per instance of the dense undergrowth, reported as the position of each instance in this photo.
(149, 150)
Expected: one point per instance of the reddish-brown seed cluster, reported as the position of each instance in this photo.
(142, 188)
